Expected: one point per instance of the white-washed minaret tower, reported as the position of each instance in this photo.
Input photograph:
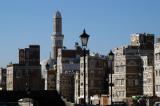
(57, 36)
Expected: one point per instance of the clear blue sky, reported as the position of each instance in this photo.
(108, 22)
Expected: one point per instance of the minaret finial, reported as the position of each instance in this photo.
(50, 55)
(84, 31)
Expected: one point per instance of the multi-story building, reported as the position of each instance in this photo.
(30, 56)
(157, 66)
(67, 86)
(2, 79)
(96, 75)
(51, 79)
(67, 66)
(148, 76)
(26, 75)
(129, 70)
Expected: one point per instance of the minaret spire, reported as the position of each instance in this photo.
(58, 23)
(57, 36)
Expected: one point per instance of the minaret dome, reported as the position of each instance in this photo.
(57, 15)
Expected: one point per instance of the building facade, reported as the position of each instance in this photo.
(148, 76)
(157, 66)
(2, 78)
(67, 86)
(51, 79)
(67, 65)
(129, 70)
(96, 75)
(26, 75)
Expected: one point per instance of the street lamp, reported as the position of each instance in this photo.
(84, 40)
(110, 67)
(47, 66)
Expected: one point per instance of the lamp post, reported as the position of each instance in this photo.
(110, 65)
(84, 40)
(47, 66)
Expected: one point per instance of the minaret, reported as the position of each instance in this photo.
(57, 36)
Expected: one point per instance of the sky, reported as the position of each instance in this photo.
(109, 23)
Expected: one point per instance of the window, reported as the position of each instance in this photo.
(81, 74)
(18, 75)
(158, 88)
(81, 65)
(117, 69)
(92, 83)
(156, 72)
(120, 93)
(130, 82)
(58, 42)
(136, 82)
(119, 82)
(92, 75)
